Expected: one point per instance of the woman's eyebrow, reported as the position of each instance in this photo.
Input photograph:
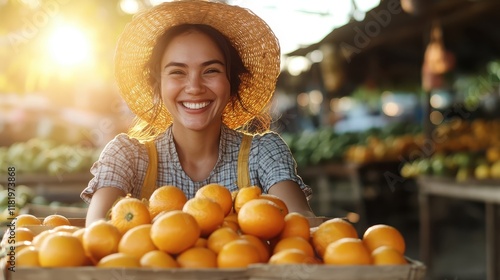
(206, 63)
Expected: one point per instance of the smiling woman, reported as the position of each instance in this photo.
(199, 75)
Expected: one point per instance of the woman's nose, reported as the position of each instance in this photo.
(195, 84)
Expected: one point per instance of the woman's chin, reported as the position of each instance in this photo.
(196, 125)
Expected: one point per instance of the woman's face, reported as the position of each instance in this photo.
(194, 83)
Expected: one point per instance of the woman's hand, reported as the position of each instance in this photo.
(102, 200)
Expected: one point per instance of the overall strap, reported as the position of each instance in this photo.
(149, 184)
(243, 171)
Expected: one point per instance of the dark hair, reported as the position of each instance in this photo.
(234, 63)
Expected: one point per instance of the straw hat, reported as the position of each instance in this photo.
(250, 35)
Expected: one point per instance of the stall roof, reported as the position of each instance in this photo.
(388, 46)
(480, 19)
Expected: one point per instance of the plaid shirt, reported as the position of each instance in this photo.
(124, 161)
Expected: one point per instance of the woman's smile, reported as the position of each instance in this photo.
(195, 105)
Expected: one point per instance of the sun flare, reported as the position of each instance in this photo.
(69, 46)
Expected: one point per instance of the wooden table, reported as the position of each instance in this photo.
(487, 192)
(354, 173)
(63, 187)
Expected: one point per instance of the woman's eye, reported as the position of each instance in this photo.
(212, 70)
(175, 72)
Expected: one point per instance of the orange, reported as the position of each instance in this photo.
(294, 242)
(23, 234)
(232, 225)
(380, 235)
(385, 255)
(129, 212)
(66, 228)
(262, 218)
(231, 217)
(21, 245)
(237, 254)
(100, 239)
(231, 220)
(207, 213)
(79, 234)
(291, 256)
(27, 256)
(119, 260)
(27, 220)
(244, 195)
(296, 224)
(221, 237)
(197, 257)
(201, 242)
(347, 251)
(219, 194)
(166, 198)
(330, 231)
(281, 204)
(39, 238)
(61, 250)
(158, 259)
(159, 214)
(137, 241)
(261, 246)
(55, 220)
(175, 231)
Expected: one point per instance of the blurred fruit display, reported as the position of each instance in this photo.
(27, 200)
(43, 156)
(461, 149)
(389, 143)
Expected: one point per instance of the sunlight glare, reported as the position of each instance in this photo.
(68, 46)
(129, 6)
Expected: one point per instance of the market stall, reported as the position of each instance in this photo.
(484, 191)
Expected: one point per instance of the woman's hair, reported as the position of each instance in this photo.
(234, 66)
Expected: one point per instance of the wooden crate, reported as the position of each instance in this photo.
(67, 211)
(92, 273)
(413, 271)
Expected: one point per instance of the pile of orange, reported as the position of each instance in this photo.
(214, 229)
(338, 243)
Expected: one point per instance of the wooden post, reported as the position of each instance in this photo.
(425, 229)
(492, 240)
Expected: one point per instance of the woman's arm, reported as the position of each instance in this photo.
(101, 202)
(295, 200)
(293, 196)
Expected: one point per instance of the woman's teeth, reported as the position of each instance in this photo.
(198, 105)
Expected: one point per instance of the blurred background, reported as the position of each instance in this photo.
(384, 104)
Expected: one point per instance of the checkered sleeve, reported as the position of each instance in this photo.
(276, 163)
(117, 166)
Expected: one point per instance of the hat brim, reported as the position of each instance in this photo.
(250, 35)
